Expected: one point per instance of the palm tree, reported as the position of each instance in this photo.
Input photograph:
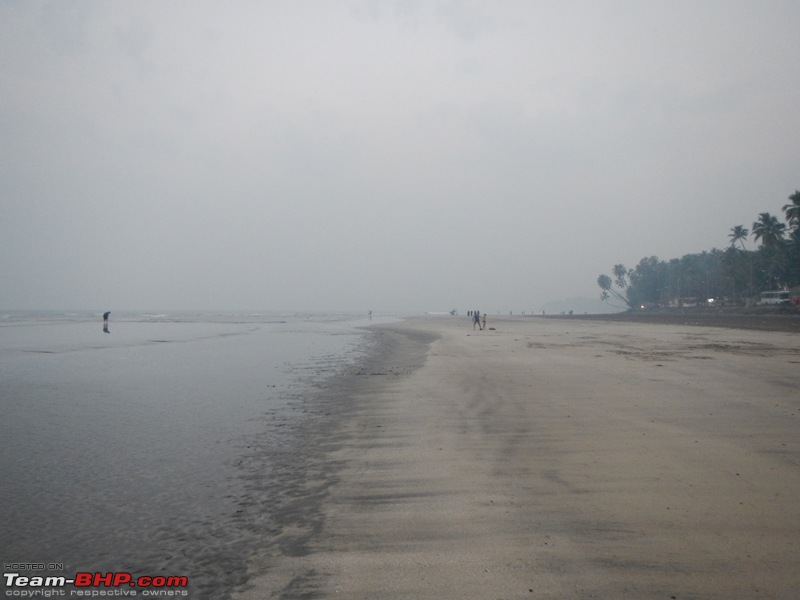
(606, 284)
(792, 211)
(620, 275)
(769, 230)
(738, 234)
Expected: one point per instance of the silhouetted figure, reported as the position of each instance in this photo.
(105, 321)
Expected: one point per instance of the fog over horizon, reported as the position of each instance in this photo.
(381, 155)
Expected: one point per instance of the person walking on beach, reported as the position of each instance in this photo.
(476, 319)
(105, 321)
(484, 321)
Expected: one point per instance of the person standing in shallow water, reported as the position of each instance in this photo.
(105, 321)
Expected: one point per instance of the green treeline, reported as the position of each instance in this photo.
(734, 275)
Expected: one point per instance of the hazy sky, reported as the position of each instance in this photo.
(415, 155)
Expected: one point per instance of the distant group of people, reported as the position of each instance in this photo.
(477, 318)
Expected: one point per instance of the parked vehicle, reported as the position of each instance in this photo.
(775, 297)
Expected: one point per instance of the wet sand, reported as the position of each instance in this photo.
(550, 458)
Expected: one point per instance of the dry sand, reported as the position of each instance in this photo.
(552, 459)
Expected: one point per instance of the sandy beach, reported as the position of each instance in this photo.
(550, 459)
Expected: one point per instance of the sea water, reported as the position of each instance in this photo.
(122, 451)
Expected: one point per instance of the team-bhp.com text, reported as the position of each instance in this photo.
(94, 585)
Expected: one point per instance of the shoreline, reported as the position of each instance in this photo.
(548, 458)
(302, 473)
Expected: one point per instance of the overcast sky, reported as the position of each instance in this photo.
(415, 155)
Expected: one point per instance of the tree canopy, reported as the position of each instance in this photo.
(735, 274)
